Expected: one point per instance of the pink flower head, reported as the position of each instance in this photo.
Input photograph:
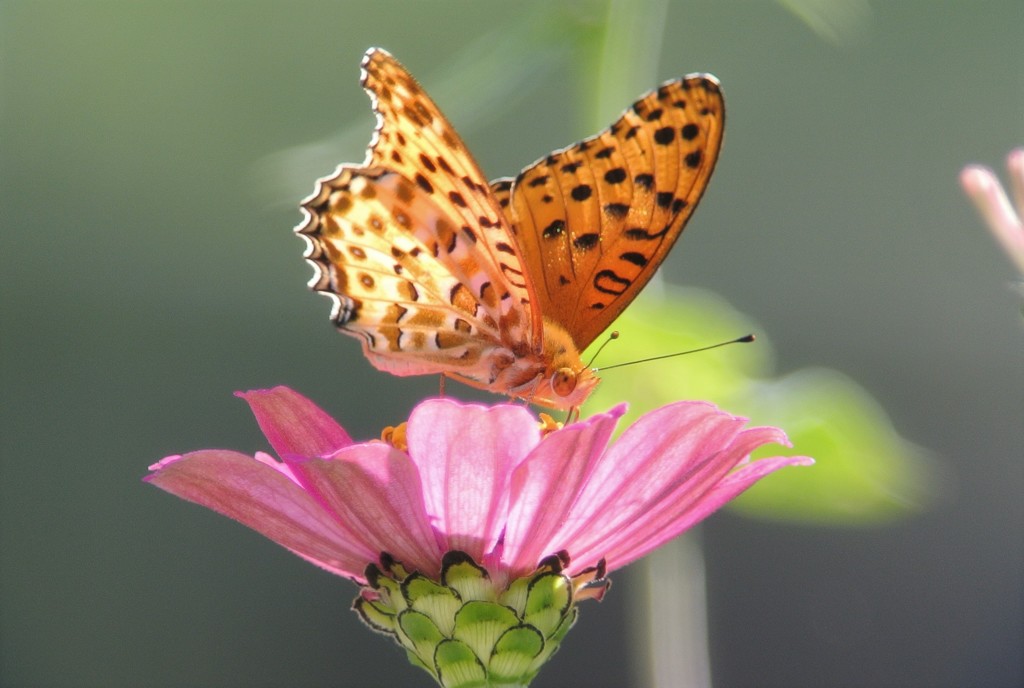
(474, 538)
(482, 481)
(983, 187)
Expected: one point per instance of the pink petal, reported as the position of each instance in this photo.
(983, 187)
(672, 517)
(707, 471)
(293, 424)
(1015, 165)
(546, 485)
(266, 499)
(651, 459)
(466, 454)
(375, 490)
(732, 486)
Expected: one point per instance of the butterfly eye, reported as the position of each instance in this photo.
(563, 381)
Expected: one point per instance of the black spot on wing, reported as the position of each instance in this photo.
(637, 259)
(581, 192)
(554, 230)
(616, 210)
(641, 234)
(424, 183)
(607, 282)
(616, 175)
(664, 136)
(644, 180)
(427, 162)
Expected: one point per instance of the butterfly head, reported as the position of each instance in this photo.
(566, 382)
(567, 387)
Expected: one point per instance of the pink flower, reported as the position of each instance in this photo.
(983, 187)
(498, 525)
(480, 480)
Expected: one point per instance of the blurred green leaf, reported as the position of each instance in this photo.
(839, 22)
(865, 472)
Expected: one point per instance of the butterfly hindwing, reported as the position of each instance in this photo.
(596, 219)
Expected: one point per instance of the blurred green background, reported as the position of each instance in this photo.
(152, 158)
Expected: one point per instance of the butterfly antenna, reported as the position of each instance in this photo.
(739, 340)
(611, 336)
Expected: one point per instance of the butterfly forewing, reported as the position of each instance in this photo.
(414, 139)
(595, 220)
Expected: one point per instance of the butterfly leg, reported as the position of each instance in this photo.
(440, 387)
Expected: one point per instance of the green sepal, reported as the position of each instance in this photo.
(514, 656)
(549, 596)
(389, 587)
(479, 624)
(394, 568)
(458, 667)
(564, 627)
(472, 581)
(555, 639)
(415, 660)
(376, 615)
(437, 601)
(456, 630)
(516, 595)
(418, 634)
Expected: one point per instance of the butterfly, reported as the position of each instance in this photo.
(501, 285)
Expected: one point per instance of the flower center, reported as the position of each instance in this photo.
(548, 424)
(395, 436)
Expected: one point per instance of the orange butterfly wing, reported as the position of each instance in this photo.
(502, 286)
(595, 220)
(414, 139)
(397, 285)
(416, 254)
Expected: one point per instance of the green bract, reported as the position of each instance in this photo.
(466, 630)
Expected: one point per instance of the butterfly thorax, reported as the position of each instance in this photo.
(555, 377)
